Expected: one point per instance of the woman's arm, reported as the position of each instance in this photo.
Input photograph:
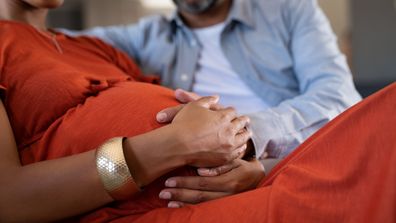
(48, 190)
(56, 189)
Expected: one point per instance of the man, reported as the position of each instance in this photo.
(276, 61)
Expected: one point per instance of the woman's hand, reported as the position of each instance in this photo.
(211, 137)
(184, 97)
(235, 177)
(197, 136)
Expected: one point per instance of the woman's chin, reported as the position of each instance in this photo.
(44, 4)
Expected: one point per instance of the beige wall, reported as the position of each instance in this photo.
(110, 12)
(338, 12)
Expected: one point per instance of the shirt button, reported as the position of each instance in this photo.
(193, 43)
(184, 77)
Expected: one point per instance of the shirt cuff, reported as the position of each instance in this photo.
(267, 135)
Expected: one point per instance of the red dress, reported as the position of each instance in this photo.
(70, 100)
(63, 104)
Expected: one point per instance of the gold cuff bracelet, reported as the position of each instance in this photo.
(113, 170)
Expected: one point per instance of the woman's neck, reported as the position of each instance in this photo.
(22, 12)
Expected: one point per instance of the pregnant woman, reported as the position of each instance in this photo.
(87, 147)
(65, 97)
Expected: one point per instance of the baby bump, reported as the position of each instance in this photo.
(126, 109)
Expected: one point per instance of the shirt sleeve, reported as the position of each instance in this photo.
(127, 38)
(325, 84)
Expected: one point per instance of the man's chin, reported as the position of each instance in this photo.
(195, 6)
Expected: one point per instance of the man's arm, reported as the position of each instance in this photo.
(325, 83)
(130, 39)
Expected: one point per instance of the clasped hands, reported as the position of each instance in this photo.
(212, 182)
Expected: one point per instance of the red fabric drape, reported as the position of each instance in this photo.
(344, 173)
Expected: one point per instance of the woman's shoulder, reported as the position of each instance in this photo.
(8, 25)
(11, 30)
(8, 35)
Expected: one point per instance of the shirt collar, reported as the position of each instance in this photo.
(176, 20)
(241, 11)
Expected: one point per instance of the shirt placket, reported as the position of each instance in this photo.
(187, 59)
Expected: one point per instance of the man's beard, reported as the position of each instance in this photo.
(195, 7)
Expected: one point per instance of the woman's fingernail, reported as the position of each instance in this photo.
(165, 195)
(170, 183)
(173, 205)
(216, 98)
(161, 117)
(203, 171)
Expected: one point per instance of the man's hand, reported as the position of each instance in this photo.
(235, 177)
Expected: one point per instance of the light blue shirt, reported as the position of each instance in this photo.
(284, 50)
(215, 75)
